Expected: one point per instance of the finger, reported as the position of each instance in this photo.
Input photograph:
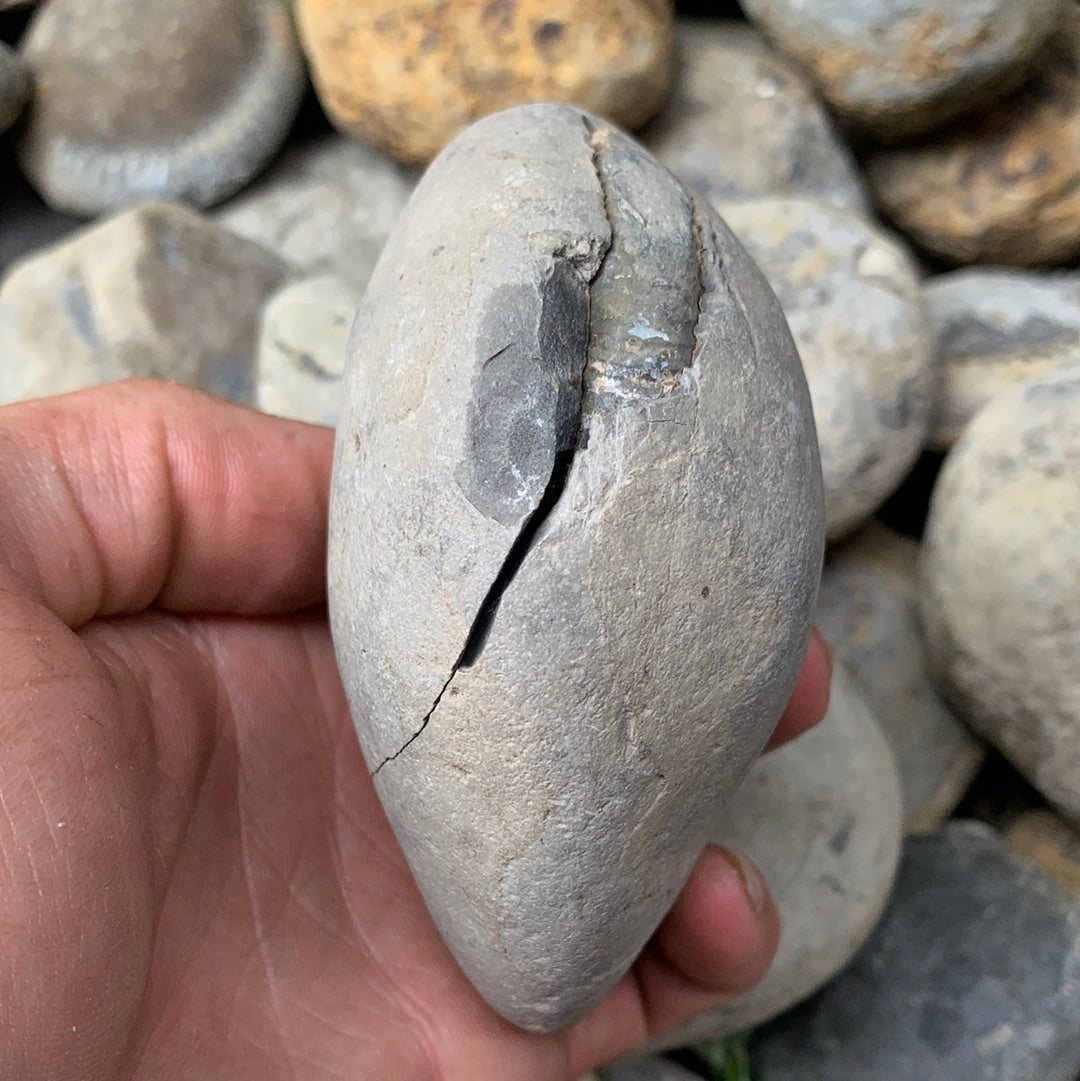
(810, 699)
(139, 493)
(716, 942)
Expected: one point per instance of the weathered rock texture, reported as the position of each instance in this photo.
(898, 70)
(407, 77)
(1004, 187)
(742, 122)
(175, 99)
(995, 328)
(156, 291)
(827, 841)
(576, 531)
(1000, 590)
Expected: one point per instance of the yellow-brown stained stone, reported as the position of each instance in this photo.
(407, 75)
(1002, 189)
(1050, 844)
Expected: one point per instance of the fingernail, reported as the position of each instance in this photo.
(753, 883)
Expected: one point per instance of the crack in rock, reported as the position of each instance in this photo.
(626, 356)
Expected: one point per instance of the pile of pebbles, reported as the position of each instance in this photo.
(198, 190)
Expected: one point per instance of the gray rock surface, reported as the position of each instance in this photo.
(827, 840)
(646, 1068)
(852, 299)
(14, 86)
(155, 291)
(972, 975)
(743, 122)
(175, 99)
(867, 608)
(575, 539)
(301, 354)
(899, 70)
(1000, 581)
(1002, 187)
(327, 206)
(994, 328)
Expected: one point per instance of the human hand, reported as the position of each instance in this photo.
(196, 877)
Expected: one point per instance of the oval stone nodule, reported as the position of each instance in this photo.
(576, 532)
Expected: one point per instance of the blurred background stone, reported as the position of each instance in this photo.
(26, 223)
(852, 300)
(326, 206)
(408, 76)
(994, 328)
(867, 609)
(174, 99)
(999, 590)
(973, 974)
(1003, 187)
(903, 70)
(301, 351)
(155, 291)
(743, 122)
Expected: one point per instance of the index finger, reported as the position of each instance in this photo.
(142, 493)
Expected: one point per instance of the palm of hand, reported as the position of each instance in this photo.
(226, 891)
(196, 879)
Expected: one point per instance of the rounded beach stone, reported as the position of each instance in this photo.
(575, 538)
(994, 328)
(1000, 581)
(156, 291)
(406, 77)
(14, 86)
(970, 975)
(827, 841)
(902, 70)
(852, 299)
(176, 99)
(1050, 844)
(1005, 187)
(301, 353)
(867, 610)
(742, 122)
(326, 206)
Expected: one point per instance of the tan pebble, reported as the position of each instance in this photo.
(408, 76)
(1002, 189)
(1050, 844)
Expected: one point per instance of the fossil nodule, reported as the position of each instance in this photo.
(576, 533)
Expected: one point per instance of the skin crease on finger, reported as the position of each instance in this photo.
(196, 878)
